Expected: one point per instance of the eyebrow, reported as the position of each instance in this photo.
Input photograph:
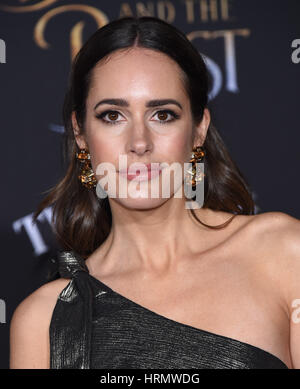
(150, 103)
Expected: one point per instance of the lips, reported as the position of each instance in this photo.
(141, 172)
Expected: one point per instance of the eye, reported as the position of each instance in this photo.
(112, 115)
(163, 115)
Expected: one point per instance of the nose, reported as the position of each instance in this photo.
(139, 139)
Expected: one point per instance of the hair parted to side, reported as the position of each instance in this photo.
(82, 221)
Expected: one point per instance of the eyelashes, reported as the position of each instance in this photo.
(102, 115)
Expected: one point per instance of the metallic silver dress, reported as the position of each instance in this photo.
(94, 327)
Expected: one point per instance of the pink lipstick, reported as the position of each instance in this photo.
(144, 172)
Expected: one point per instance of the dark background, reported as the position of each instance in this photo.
(259, 121)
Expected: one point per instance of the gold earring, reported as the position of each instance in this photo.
(196, 175)
(87, 176)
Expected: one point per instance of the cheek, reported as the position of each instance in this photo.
(103, 146)
(102, 151)
(177, 149)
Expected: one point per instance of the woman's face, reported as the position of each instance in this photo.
(137, 126)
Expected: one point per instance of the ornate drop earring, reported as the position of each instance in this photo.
(195, 175)
(87, 176)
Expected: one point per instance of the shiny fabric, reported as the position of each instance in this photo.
(94, 327)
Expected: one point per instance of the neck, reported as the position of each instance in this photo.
(156, 240)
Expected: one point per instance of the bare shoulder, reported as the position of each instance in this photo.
(283, 236)
(275, 234)
(275, 238)
(276, 229)
(29, 327)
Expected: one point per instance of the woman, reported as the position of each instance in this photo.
(145, 281)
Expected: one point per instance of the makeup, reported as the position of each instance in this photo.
(143, 173)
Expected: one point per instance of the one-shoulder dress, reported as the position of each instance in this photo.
(94, 327)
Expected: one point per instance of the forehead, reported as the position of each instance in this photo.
(137, 71)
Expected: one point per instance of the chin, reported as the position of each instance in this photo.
(140, 203)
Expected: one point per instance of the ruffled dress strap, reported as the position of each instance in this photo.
(71, 323)
(69, 263)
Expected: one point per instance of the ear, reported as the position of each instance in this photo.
(201, 129)
(80, 140)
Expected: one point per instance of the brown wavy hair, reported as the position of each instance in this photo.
(80, 219)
